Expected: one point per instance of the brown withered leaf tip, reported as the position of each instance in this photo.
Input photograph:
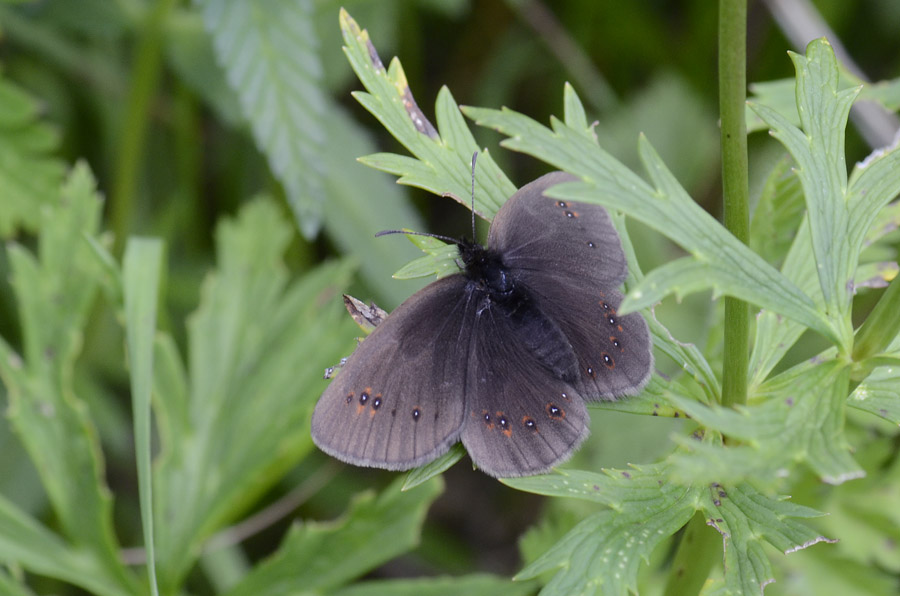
(367, 316)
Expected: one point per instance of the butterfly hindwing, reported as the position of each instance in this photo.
(572, 266)
(398, 402)
(520, 419)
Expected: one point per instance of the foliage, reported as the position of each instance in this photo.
(219, 376)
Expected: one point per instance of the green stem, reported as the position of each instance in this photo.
(700, 548)
(732, 97)
(881, 326)
(698, 551)
(144, 82)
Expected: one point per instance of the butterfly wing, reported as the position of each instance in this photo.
(569, 258)
(520, 419)
(398, 402)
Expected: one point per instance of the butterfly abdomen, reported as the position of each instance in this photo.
(504, 296)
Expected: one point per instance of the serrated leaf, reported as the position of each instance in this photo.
(29, 175)
(54, 290)
(819, 154)
(257, 346)
(324, 556)
(801, 420)
(733, 268)
(601, 555)
(839, 214)
(268, 51)
(745, 517)
(574, 115)
(444, 153)
(780, 95)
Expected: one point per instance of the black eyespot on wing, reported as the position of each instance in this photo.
(555, 411)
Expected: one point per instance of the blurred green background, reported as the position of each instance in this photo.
(134, 89)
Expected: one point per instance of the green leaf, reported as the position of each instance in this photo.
(324, 556)
(25, 542)
(141, 276)
(470, 585)
(879, 393)
(434, 468)
(444, 153)
(54, 291)
(775, 335)
(801, 420)
(29, 175)
(268, 51)
(441, 259)
(11, 587)
(257, 347)
(724, 264)
(818, 150)
(780, 95)
(745, 517)
(778, 213)
(601, 555)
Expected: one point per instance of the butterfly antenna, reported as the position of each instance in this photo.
(474, 157)
(410, 233)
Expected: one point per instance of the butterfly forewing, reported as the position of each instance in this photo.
(398, 402)
(558, 239)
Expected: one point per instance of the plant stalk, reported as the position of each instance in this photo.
(735, 185)
(700, 548)
(698, 551)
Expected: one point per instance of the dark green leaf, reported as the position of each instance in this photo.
(324, 556)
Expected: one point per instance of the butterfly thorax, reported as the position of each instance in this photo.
(485, 267)
(502, 295)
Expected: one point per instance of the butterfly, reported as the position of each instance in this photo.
(503, 355)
